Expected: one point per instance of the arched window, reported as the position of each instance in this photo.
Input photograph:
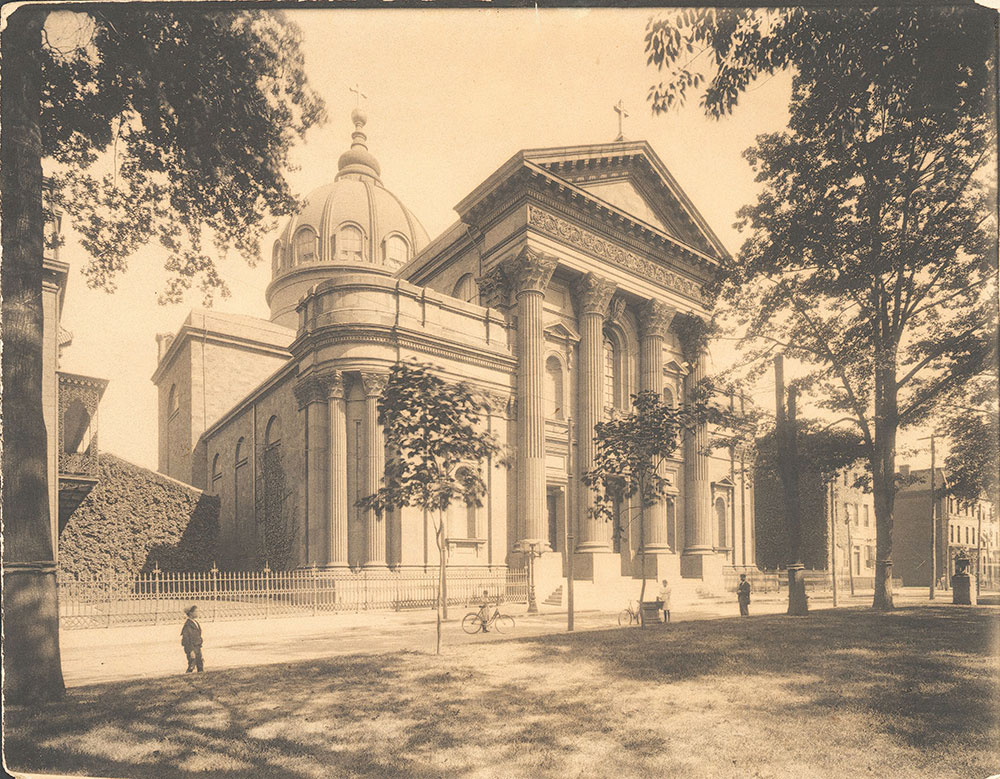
(466, 289)
(720, 518)
(553, 388)
(272, 433)
(241, 451)
(612, 397)
(173, 402)
(668, 398)
(305, 245)
(397, 253)
(276, 256)
(350, 244)
(216, 473)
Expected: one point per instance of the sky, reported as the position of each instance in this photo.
(451, 95)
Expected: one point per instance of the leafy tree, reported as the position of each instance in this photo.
(434, 431)
(195, 113)
(973, 431)
(631, 450)
(822, 453)
(871, 255)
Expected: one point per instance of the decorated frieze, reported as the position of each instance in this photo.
(605, 250)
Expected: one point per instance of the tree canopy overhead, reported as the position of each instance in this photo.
(192, 116)
(871, 249)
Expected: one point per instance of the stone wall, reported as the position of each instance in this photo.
(136, 518)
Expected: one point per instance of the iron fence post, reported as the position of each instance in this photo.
(215, 588)
(156, 593)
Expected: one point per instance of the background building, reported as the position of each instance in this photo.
(966, 527)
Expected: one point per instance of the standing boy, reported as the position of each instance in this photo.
(663, 598)
(191, 640)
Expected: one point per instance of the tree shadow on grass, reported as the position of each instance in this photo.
(627, 701)
(927, 673)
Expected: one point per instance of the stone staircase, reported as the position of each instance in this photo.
(616, 594)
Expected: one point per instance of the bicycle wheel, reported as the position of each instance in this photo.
(504, 624)
(625, 617)
(471, 623)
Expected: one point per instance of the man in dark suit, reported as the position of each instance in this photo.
(191, 640)
(743, 595)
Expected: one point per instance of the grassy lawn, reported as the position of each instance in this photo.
(848, 693)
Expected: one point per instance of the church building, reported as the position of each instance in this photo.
(567, 284)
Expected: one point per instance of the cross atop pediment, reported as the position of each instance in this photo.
(622, 115)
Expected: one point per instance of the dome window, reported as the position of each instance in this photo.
(349, 244)
(397, 253)
(276, 257)
(305, 245)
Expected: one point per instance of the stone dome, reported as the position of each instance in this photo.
(353, 223)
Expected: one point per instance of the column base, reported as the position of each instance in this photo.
(597, 565)
(660, 564)
(704, 565)
(376, 566)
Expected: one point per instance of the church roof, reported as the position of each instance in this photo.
(626, 177)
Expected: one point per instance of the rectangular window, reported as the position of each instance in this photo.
(951, 533)
(966, 535)
(867, 519)
(856, 515)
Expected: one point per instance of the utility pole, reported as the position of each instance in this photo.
(785, 436)
(833, 538)
(933, 525)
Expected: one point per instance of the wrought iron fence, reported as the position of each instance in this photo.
(777, 580)
(158, 596)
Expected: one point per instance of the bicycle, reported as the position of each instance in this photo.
(628, 615)
(473, 623)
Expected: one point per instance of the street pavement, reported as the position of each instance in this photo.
(114, 654)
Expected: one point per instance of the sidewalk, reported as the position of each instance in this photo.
(112, 654)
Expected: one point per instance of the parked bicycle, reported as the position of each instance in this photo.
(628, 616)
(473, 622)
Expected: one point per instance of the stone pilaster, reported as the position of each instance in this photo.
(311, 393)
(697, 486)
(529, 274)
(592, 295)
(337, 477)
(374, 383)
(654, 319)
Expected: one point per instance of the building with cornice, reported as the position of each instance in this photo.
(560, 291)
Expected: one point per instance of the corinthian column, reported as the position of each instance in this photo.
(654, 320)
(374, 383)
(697, 484)
(311, 391)
(592, 295)
(337, 477)
(529, 274)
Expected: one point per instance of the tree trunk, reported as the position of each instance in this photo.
(883, 477)
(442, 603)
(31, 662)
(642, 556)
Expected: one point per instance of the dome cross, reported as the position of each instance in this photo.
(356, 89)
(622, 115)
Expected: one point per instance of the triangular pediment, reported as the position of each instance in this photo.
(630, 177)
(562, 332)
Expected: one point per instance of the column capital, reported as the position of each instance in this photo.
(374, 383)
(335, 387)
(529, 271)
(655, 317)
(313, 387)
(592, 294)
(494, 288)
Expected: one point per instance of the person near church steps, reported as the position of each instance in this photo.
(191, 640)
(743, 595)
(663, 598)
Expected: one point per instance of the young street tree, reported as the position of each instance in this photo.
(631, 450)
(872, 248)
(437, 450)
(192, 114)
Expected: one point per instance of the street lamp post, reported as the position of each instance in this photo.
(531, 548)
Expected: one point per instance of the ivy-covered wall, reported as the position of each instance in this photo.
(135, 518)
